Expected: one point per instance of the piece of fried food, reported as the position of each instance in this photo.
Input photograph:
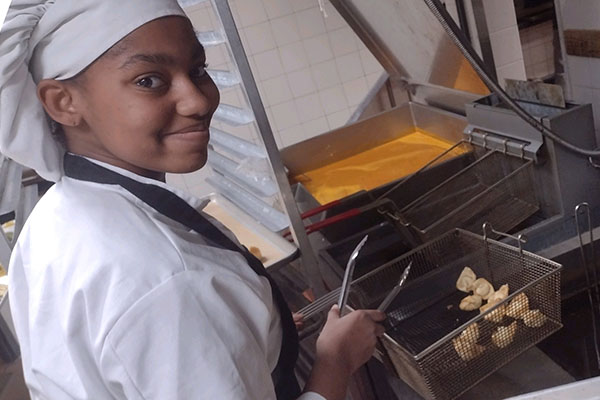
(471, 333)
(499, 294)
(504, 335)
(518, 306)
(534, 318)
(495, 316)
(470, 303)
(257, 253)
(465, 280)
(483, 288)
(466, 349)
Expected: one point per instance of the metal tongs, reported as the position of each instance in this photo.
(394, 292)
(348, 275)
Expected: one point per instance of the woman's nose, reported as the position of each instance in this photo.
(196, 99)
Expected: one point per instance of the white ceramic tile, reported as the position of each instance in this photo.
(299, 5)
(334, 20)
(318, 49)
(499, 14)
(201, 20)
(315, 127)
(271, 118)
(515, 70)
(333, 99)
(581, 14)
(541, 70)
(309, 107)
(277, 90)
(355, 91)
(342, 41)
(338, 119)
(373, 78)
(253, 67)
(285, 30)
(250, 12)
(259, 38)
(230, 97)
(293, 57)
(285, 115)
(216, 55)
(506, 46)
(538, 54)
(579, 70)
(292, 135)
(369, 62)
(310, 22)
(268, 64)
(594, 68)
(278, 8)
(349, 67)
(301, 82)
(325, 74)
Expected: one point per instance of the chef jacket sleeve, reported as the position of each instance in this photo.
(194, 337)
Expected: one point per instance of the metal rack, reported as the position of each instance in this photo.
(18, 196)
(257, 115)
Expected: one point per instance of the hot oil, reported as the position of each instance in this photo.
(373, 167)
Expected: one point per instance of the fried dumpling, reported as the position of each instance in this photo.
(465, 280)
(470, 303)
(504, 335)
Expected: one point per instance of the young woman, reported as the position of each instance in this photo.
(120, 288)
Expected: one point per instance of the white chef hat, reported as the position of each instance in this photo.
(56, 39)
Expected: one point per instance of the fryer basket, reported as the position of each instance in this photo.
(425, 317)
(495, 188)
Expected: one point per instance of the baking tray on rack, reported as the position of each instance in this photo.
(275, 250)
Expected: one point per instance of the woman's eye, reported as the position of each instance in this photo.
(150, 82)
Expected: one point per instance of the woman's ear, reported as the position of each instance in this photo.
(58, 100)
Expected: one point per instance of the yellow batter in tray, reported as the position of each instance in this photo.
(374, 167)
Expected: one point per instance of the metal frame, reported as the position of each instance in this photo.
(309, 259)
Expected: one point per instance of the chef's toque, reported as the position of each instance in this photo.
(56, 39)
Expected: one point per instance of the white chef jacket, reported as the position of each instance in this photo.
(112, 300)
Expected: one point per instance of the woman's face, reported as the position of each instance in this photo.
(146, 104)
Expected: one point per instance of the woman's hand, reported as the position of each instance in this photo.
(349, 341)
(343, 346)
(298, 320)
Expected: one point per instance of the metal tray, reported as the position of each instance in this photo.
(424, 319)
(276, 250)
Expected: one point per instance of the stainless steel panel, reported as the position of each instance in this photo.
(408, 41)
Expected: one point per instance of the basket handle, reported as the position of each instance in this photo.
(520, 238)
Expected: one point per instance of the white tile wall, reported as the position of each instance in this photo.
(582, 73)
(504, 38)
(315, 64)
(538, 50)
(311, 71)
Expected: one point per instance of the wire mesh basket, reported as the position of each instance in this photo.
(495, 188)
(423, 338)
